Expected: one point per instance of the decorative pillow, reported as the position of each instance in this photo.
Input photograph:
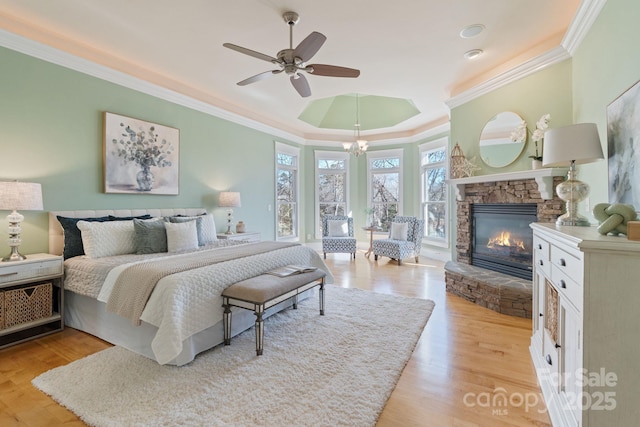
(150, 235)
(338, 228)
(72, 236)
(101, 239)
(399, 231)
(128, 218)
(204, 224)
(182, 236)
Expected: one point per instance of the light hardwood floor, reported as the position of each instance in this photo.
(471, 366)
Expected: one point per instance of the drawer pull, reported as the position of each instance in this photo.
(541, 262)
(563, 263)
(9, 274)
(563, 285)
(539, 246)
(557, 345)
(548, 358)
(541, 314)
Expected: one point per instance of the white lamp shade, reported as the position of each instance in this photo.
(20, 196)
(229, 199)
(579, 142)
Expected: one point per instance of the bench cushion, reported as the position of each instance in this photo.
(263, 288)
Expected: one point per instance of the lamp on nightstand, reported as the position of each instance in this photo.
(569, 146)
(229, 200)
(14, 196)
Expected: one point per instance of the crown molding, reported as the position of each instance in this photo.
(584, 18)
(586, 15)
(529, 67)
(55, 56)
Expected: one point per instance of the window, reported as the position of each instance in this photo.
(433, 189)
(286, 191)
(384, 185)
(332, 183)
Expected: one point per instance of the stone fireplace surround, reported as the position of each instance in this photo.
(497, 291)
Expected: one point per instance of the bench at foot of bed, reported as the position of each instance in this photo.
(262, 292)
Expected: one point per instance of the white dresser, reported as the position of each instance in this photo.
(586, 325)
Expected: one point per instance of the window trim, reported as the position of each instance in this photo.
(422, 149)
(328, 155)
(385, 154)
(292, 151)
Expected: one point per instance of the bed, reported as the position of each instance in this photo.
(183, 315)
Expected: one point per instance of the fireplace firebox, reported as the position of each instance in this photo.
(502, 239)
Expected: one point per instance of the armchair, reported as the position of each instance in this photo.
(401, 244)
(337, 235)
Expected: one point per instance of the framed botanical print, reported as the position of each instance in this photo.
(140, 157)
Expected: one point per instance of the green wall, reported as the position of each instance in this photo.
(547, 91)
(606, 64)
(51, 132)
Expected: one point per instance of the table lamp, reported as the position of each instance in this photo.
(14, 196)
(229, 200)
(569, 146)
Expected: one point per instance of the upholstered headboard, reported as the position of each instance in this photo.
(56, 236)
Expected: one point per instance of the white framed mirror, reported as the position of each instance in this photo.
(497, 148)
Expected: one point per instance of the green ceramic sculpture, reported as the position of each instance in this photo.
(613, 218)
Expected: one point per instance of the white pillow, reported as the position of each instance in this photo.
(399, 231)
(205, 225)
(109, 238)
(337, 228)
(181, 236)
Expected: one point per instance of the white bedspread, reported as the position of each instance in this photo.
(186, 303)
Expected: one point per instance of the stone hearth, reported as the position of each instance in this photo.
(498, 291)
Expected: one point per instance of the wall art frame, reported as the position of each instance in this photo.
(140, 157)
(623, 143)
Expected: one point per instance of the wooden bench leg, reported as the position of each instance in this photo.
(259, 332)
(227, 323)
(321, 297)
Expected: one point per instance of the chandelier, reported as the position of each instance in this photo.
(360, 146)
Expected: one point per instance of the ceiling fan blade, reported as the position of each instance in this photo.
(250, 52)
(332, 70)
(309, 46)
(258, 77)
(301, 84)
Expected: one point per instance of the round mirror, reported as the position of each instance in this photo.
(502, 139)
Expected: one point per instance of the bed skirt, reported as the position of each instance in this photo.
(90, 315)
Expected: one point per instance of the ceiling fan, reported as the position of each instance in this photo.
(293, 61)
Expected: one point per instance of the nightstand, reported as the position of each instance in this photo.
(31, 298)
(249, 236)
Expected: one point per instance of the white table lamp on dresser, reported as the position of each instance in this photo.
(570, 146)
(16, 196)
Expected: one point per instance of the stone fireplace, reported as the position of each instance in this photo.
(503, 290)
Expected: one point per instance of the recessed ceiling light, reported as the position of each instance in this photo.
(471, 31)
(473, 53)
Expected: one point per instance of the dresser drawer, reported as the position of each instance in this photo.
(567, 287)
(24, 271)
(569, 264)
(541, 255)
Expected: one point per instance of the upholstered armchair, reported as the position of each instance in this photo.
(337, 235)
(405, 239)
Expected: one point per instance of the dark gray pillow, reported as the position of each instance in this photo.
(72, 235)
(128, 218)
(198, 219)
(150, 236)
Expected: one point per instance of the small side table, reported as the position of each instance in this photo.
(371, 229)
(250, 236)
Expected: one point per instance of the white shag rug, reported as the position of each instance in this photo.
(331, 370)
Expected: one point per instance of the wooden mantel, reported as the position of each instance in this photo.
(543, 177)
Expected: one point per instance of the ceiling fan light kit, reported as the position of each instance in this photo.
(294, 61)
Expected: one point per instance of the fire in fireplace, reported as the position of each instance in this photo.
(501, 238)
